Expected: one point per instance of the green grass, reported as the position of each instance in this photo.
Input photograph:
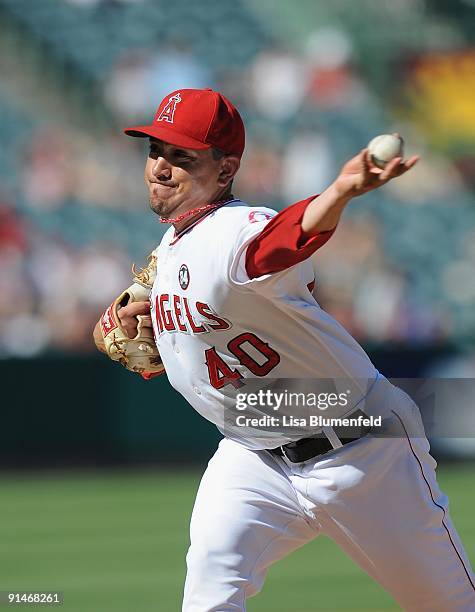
(117, 542)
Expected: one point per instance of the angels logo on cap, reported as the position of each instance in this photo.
(184, 276)
(168, 112)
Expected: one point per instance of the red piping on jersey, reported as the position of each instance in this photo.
(281, 243)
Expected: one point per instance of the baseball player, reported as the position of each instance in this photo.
(228, 293)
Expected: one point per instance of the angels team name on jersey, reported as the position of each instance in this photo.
(175, 313)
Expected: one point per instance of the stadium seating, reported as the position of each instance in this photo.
(420, 240)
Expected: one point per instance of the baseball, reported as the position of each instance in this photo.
(384, 148)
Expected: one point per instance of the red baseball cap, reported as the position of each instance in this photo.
(196, 119)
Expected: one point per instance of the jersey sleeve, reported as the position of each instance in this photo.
(273, 243)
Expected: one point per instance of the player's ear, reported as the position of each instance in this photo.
(229, 167)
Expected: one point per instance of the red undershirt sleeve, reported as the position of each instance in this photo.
(281, 243)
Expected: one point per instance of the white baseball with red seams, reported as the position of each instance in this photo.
(216, 322)
(384, 148)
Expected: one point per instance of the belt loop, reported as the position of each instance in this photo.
(332, 437)
(282, 452)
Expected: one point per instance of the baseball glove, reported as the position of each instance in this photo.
(138, 354)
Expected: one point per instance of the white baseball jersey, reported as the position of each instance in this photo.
(216, 327)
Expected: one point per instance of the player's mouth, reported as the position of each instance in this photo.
(162, 189)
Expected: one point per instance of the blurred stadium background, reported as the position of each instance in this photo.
(97, 477)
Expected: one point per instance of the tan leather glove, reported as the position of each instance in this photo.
(138, 354)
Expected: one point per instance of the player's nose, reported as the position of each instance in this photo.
(161, 168)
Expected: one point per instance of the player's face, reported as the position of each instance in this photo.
(181, 179)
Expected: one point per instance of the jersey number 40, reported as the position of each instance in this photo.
(221, 374)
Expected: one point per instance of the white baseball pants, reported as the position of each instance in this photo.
(377, 498)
